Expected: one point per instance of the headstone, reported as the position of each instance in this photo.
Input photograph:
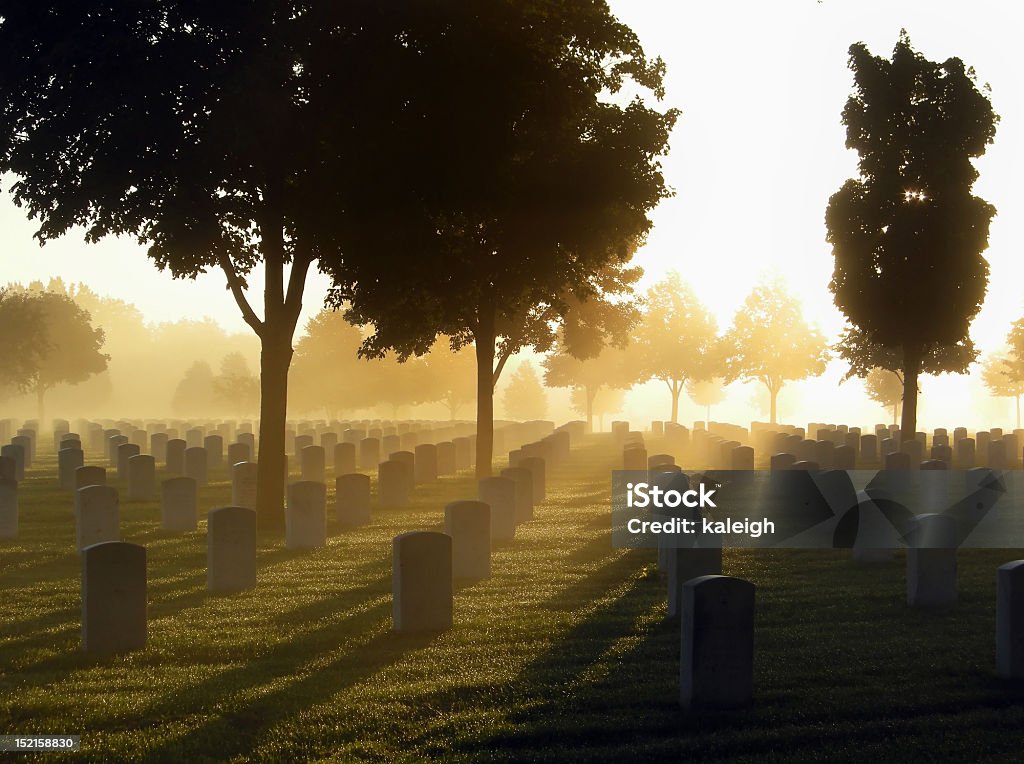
(306, 514)
(8, 508)
(844, 458)
(499, 493)
(27, 447)
(394, 482)
(369, 453)
(179, 505)
(89, 475)
(425, 468)
(538, 473)
(523, 479)
(311, 464)
(16, 454)
(125, 451)
(344, 458)
(469, 525)
(352, 499)
(214, 447)
(965, 459)
(230, 550)
(158, 446)
(781, 461)
(238, 453)
(68, 460)
(194, 438)
(97, 516)
(244, 479)
(463, 453)
(421, 582)
(142, 477)
(931, 561)
(717, 645)
(176, 456)
(1010, 620)
(8, 468)
(390, 444)
(196, 465)
(113, 597)
(301, 442)
(446, 458)
(685, 564)
(634, 458)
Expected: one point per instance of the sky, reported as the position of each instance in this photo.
(755, 155)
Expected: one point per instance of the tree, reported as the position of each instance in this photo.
(25, 338)
(613, 369)
(677, 338)
(603, 402)
(450, 375)
(531, 193)
(1003, 374)
(327, 373)
(215, 134)
(886, 387)
(907, 234)
(769, 342)
(195, 395)
(706, 393)
(70, 349)
(236, 388)
(524, 397)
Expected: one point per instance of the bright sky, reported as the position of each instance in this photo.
(757, 152)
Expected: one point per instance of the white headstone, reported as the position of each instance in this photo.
(179, 505)
(230, 550)
(499, 493)
(113, 597)
(352, 499)
(306, 515)
(97, 516)
(421, 582)
(469, 525)
(1010, 620)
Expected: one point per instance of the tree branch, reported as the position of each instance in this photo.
(501, 365)
(238, 292)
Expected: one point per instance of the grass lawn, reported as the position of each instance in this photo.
(561, 656)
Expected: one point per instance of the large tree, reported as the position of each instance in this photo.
(771, 343)
(1003, 372)
(677, 338)
(907, 233)
(214, 134)
(518, 195)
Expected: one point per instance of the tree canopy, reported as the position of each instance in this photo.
(907, 233)
(524, 398)
(771, 343)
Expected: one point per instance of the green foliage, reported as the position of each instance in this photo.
(886, 387)
(25, 339)
(327, 374)
(864, 355)
(769, 342)
(524, 397)
(907, 234)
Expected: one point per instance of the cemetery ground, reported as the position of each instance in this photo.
(563, 654)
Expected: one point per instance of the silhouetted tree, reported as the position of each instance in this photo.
(614, 368)
(677, 338)
(450, 375)
(886, 387)
(195, 395)
(524, 398)
(217, 134)
(706, 393)
(1003, 372)
(236, 388)
(769, 342)
(327, 373)
(512, 200)
(907, 234)
(24, 337)
(602, 403)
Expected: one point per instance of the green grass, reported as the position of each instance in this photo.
(561, 656)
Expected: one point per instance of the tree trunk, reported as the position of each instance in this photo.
(275, 358)
(484, 341)
(591, 393)
(773, 394)
(911, 371)
(707, 417)
(676, 389)
(1016, 400)
(895, 413)
(41, 408)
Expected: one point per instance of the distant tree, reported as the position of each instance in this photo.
(25, 340)
(706, 393)
(907, 234)
(885, 387)
(450, 375)
(524, 398)
(71, 347)
(489, 233)
(677, 338)
(195, 395)
(327, 374)
(236, 388)
(769, 342)
(398, 384)
(604, 402)
(1003, 374)
(613, 369)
